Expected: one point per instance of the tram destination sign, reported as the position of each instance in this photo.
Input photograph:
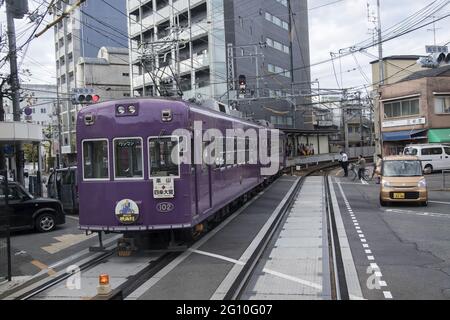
(163, 188)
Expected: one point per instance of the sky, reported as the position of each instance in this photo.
(333, 25)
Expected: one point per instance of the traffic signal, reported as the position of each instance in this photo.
(84, 96)
(242, 84)
(435, 60)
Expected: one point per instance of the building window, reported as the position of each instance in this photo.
(283, 2)
(125, 74)
(277, 21)
(126, 94)
(442, 104)
(403, 108)
(278, 70)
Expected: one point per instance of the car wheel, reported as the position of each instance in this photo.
(424, 203)
(45, 222)
(383, 203)
(430, 167)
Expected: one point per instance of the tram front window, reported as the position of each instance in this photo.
(95, 160)
(128, 158)
(163, 154)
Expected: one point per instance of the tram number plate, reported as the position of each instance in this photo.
(163, 188)
(399, 196)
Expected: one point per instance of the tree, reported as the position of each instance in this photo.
(31, 153)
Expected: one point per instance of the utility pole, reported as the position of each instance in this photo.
(291, 50)
(58, 118)
(344, 121)
(15, 87)
(381, 71)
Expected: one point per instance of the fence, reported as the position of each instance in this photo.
(312, 160)
(5, 240)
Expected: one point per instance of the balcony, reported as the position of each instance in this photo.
(161, 15)
(200, 61)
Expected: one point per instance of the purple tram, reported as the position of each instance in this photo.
(129, 181)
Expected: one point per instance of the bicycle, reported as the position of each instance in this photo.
(367, 175)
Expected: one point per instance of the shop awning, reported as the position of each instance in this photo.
(405, 135)
(438, 135)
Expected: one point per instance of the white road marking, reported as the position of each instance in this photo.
(440, 202)
(357, 228)
(73, 217)
(359, 231)
(417, 213)
(212, 255)
(294, 279)
(373, 265)
(65, 241)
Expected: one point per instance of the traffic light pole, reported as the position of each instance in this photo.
(14, 86)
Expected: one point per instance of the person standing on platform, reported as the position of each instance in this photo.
(344, 163)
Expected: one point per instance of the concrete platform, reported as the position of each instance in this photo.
(297, 266)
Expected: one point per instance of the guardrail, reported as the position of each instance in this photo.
(316, 159)
(444, 180)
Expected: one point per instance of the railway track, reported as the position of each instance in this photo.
(338, 286)
(155, 264)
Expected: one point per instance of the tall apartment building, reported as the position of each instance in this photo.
(275, 65)
(94, 25)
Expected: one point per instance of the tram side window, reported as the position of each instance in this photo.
(162, 152)
(95, 159)
(128, 158)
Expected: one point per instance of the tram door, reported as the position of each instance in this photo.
(203, 185)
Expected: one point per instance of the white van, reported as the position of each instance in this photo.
(433, 156)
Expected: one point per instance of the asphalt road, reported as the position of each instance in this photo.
(408, 245)
(32, 251)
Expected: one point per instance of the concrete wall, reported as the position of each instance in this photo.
(394, 70)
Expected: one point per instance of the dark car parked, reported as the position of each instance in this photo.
(27, 212)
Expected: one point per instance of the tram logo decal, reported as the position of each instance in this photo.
(127, 211)
(165, 207)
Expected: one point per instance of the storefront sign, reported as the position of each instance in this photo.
(404, 122)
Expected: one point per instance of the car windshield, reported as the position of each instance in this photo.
(402, 168)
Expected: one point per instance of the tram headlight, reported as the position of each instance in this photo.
(132, 109)
(121, 110)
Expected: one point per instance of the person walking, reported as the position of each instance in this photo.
(344, 163)
(362, 166)
(377, 169)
